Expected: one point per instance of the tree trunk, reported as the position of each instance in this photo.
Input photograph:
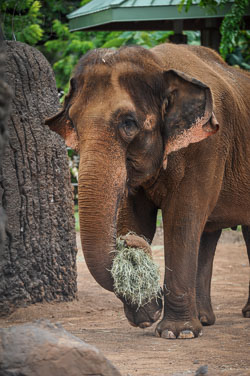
(38, 261)
(5, 96)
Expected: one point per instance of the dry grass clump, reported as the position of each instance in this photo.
(136, 276)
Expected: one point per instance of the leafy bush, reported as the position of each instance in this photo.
(22, 21)
(241, 54)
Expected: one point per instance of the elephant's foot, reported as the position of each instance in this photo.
(206, 314)
(178, 329)
(246, 310)
(144, 316)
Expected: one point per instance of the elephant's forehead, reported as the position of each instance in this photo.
(104, 75)
(102, 83)
(101, 94)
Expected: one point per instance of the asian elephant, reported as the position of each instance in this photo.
(164, 128)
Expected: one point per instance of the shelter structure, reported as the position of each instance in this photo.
(151, 15)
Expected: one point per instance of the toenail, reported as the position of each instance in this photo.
(132, 323)
(168, 334)
(186, 334)
(145, 324)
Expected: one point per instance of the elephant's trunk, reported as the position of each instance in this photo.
(102, 177)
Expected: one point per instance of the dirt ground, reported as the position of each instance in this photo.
(97, 318)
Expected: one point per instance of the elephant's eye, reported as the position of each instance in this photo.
(129, 128)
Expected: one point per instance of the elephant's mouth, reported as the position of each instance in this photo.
(145, 316)
(137, 174)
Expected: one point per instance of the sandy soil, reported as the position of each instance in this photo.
(97, 318)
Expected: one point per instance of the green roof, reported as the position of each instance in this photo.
(138, 14)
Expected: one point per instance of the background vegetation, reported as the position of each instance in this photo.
(43, 24)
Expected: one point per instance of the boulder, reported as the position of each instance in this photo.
(45, 349)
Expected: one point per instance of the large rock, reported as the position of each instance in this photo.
(45, 349)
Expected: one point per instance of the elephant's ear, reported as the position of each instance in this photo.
(61, 123)
(187, 112)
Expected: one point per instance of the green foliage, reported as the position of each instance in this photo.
(65, 49)
(77, 223)
(241, 54)
(141, 38)
(231, 27)
(193, 37)
(159, 221)
(73, 164)
(210, 5)
(22, 20)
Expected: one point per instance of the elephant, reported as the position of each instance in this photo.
(162, 128)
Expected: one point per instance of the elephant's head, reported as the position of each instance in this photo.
(125, 114)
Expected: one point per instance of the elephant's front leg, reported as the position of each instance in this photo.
(138, 215)
(182, 231)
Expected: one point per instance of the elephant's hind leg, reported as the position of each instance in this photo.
(246, 234)
(204, 275)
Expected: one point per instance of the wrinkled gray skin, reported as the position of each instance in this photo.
(166, 128)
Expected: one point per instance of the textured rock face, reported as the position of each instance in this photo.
(5, 99)
(38, 257)
(45, 349)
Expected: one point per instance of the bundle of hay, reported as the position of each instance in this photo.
(136, 276)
